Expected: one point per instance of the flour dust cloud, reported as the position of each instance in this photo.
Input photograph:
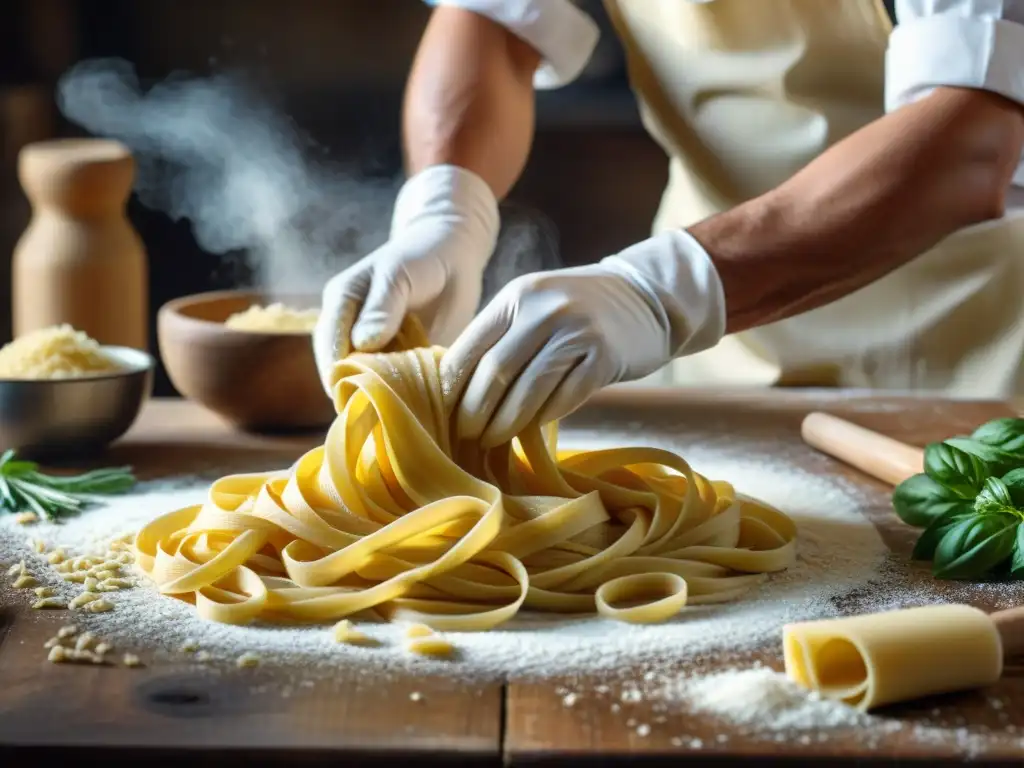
(216, 152)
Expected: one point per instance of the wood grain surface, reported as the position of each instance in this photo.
(541, 729)
(173, 713)
(178, 713)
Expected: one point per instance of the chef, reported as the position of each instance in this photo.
(845, 205)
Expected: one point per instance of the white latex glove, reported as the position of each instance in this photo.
(549, 340)
(443, 231)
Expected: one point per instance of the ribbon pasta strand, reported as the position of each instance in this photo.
(394, 518)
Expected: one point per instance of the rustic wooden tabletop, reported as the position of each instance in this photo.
(172, 714)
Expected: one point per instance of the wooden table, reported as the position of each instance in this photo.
(169, 715)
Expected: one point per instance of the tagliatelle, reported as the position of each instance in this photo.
(392, 518)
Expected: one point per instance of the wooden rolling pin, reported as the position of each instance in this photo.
(904, 654)
(881, 457)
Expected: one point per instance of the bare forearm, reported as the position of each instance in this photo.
(470, 101)
(870, 204)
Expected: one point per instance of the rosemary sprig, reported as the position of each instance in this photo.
(24, 488)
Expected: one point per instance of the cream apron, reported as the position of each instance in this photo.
(743, 93)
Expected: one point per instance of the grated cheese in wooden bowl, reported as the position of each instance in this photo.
(274, 318)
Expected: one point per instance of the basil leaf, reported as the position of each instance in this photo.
(1005, 434)
(975, 546)
(919, 500)
(1014, 482)
(999, 462)
(924, 548)
(994, 498)
(1017, 564)
(957, 470)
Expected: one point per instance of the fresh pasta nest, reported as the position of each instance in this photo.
(391, 518)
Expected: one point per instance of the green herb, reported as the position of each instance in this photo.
(919, 501)
(1014, 482)
(1004, 434)
(996, 459)
(970, 502)
(926, 545)
(1017, 564)
(975, 547)
(24, 488)
(958, 471)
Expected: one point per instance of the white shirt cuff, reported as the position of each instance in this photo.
(958, 51)
(560, 32)
(955, 50)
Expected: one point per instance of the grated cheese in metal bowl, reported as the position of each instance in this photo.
(274, 318)
(57, 352)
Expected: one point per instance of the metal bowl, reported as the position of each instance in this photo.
(60, 418)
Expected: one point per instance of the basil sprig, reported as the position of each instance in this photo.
(970, 502)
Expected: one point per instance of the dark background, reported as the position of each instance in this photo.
(337, 67)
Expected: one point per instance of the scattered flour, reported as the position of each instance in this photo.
(760, 697)
(839, 554)
(653, 679)
(838, 551)
(760, 704)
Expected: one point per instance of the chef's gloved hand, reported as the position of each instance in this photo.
(443, 231)
(549, 340)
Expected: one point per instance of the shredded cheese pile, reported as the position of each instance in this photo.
(59, 352)
(394, 518)
(274, 318)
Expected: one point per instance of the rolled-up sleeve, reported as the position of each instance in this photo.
(958, 43)
(561, 33)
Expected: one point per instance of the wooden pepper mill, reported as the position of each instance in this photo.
(80, 261)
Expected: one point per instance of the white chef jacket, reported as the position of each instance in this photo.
(955, 43)
(705, 72)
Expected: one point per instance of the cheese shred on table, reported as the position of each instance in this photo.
(58, 352)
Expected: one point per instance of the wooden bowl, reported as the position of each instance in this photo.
(260, 382)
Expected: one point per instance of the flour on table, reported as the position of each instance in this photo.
(761, 697)
(759, 703)
(838, 551)
(840, 555)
